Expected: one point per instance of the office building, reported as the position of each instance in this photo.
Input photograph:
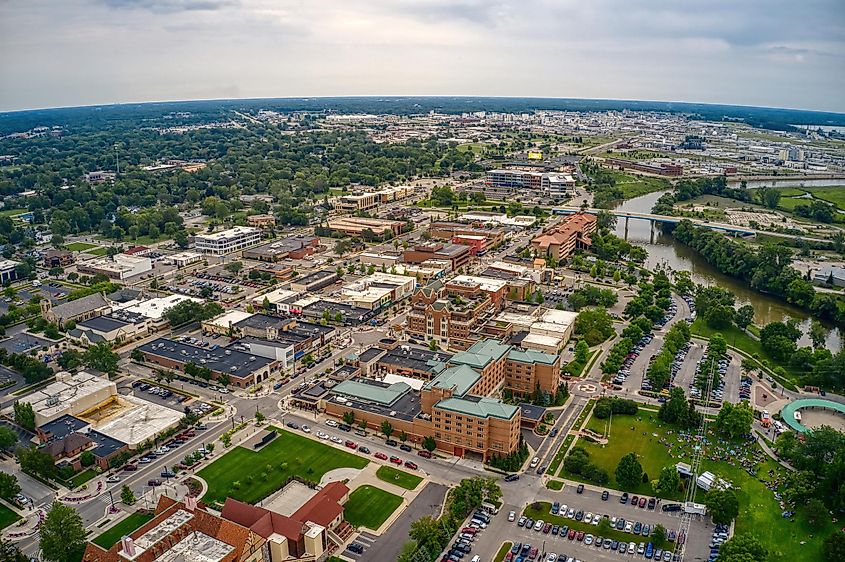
(8, 270)
(449, 317)
(118, 267)
(227, 241)
(357, 226)
(367, 200)
(261, 221)
(457, 255)
(561, 240)
(292, 247)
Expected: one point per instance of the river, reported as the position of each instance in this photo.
(664, 250)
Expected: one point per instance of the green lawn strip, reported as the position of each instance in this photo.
(369, 507)
(82, 477)
(110, 537)
(790, 191)
(500, 556)
(652, 455)
(556, 485)
(12, 212)
(101, 251)
(544, 514)
(635, 186)
(7, 516)
(576, 369)
(79, 246)
(560, 454)
(835, 195)
(287, 455)
(398, 477)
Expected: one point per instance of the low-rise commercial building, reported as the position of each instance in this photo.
(119, 266)
(661, 169)
(184, 259)
(293, 247)
(227, 241)
(261, 221)
(378, 290)
(57, 258)
(367, 200)
(457, 255)
(8, 271)
(356, 226)
(314, 281)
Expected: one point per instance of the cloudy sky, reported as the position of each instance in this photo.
(785, 53)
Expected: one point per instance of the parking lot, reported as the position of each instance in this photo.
(168, 398)
(590, 501)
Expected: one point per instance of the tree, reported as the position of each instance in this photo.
(127, 496)
(403, 436)
(429, 444)
(745, 548)
(769, 196)
(24, 415)
(259, 417)
(722, 505)
(9, 486)
(342, 247)
(62, 534)
(668, 482)
(87, 458)
(101, 357)
(582, 352)
(349, 417)
(629, 471)
(734, 420)
(815, 511)
(818, 334)
(8, 437)
(386, 429)
(658, 535)
(594, 325)
(834, 546)
(744, 316)
(11, 553)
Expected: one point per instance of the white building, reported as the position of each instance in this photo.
(377, 290)
(227, 241)
(184, 259)
(8, 271)
(120, 266)
(69, 394)
(280, 300)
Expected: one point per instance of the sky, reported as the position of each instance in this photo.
(778, 53)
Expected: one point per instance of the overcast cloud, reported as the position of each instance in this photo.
(752, 52)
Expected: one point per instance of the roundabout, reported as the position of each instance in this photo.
(822, 412)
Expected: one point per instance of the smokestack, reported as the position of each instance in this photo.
(190, 503)
(128, 546)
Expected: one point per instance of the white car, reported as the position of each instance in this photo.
(306, 429)
(629, 527)
(538, 525)
(588, 540)
(322, 435)
(534, 462)
(113, 478)
(571, 513)
(551, 557)
(588, 518)
(331, 423)
(511, 516)
(337, 440)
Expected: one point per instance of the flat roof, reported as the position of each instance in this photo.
(156, 308)
(540, 339)
(532, 412)
(564, 317)
(479, 407)
(104, 445)
(372, 391)
(143, 420)
(415, 358)
(487, 284)
(58, 396)
(262, 321)
(23, 342)
(229, 319)
(63, 426)
(370, 353)
(229, 233)
(102, 324)
(224, 360)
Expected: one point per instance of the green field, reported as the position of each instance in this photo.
(79, 246)
(503, 551)
(270, 467)
(82, 477)
(556, 485)
(760, 512)
(835, 195)
(369, 507)
(634, 186)
(7, 516)
(398, 477)
(101, 251)
(789, 203)
(475, 147)
(111, 536)
(12, 212)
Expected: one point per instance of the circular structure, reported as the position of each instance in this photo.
(791, 413)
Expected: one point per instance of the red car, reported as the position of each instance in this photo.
(352, 444)
(395, 460)
(424, 454)
(642, 502)
(411, 465)
(580, 535)
(546, 528)
(571, 534)
(634, 500)
(469, 530)
(381, 456)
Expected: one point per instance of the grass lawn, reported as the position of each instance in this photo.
(759, 510)
(110, 537)
(82, 477)
(101, 251)
(789, 203)
(640, 440)
(7, 517)
(634, 186)
(398, 477)
(287, 455)
(791, 191)
(79, 246)
(506, 546)
(12, 212)
(556, 485)
(835, 195)
(369, 507)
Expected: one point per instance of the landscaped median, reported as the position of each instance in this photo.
(500, 556)
(250, 476)
(7, 516)
(398, 477)
(370, 507)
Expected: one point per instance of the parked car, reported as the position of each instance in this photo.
(380, 455)
(411, 465)
(424, 454)
(511, 477)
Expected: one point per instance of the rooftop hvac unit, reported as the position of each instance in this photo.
(228, 352)
(252, 358)
(233, 368)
